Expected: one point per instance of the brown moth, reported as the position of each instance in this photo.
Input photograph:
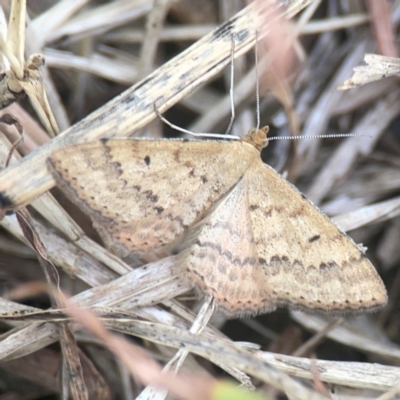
(246, 236)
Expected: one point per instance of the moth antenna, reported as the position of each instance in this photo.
(257, 83)
(183, 130)
(330, 136)
(229, 129)
(226, 135)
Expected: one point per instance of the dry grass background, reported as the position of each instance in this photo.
(94, 50)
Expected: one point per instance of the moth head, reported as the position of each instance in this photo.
(258, 137)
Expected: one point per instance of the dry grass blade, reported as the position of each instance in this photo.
(176, 362)
(209, 347)
(357, 375)
(352, 335)
(383, 26)
(340, 162)
(70, 351)
(133, 290)
(137, 361)
(378, 67)
(379, 378)
(23, 77)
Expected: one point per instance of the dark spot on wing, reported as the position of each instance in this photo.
(177, 219)
(314, 238)
(328, 265)
(276, 259)
(268, 213)
(297, 213)
(147, 160)
(149, 195)
(117, 166)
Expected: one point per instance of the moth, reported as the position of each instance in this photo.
(244, 234)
